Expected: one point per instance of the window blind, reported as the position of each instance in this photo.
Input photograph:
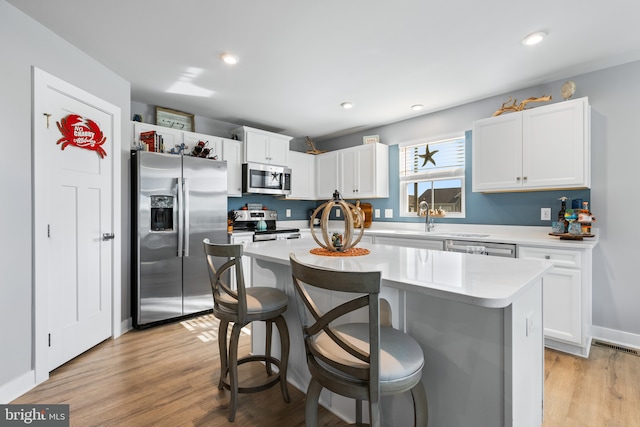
(449, 159)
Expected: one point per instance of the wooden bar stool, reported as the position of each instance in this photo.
(361, 360)
(241, 307)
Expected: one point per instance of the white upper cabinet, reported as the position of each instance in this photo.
(171, 137)
(364, 171)
(264, 147)
(213, 143)
(541, 148)
(303, 178)
(326, 175)
(232, 154)
(220, 148)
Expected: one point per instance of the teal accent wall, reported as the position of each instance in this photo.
(298, 208)
(496, 209)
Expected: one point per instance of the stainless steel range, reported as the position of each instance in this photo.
(263, 224)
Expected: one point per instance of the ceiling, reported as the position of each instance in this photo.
(300, 59)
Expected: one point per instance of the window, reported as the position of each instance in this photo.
(433, 172)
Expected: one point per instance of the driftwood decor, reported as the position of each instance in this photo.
(510, 105)
(312, 147)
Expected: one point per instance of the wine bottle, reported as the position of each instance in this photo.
(561, 218)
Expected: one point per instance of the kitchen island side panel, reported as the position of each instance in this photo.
(480, 367)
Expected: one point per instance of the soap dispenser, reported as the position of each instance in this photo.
(563, 209)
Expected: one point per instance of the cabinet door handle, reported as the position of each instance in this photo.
(518, 178)
(547, 257)
(524, 179)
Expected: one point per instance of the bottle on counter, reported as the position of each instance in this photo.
(585, 216)
(561, 218)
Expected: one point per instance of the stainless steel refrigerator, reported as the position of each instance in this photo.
(177, 201)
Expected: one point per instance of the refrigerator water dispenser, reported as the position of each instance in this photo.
(161, 213)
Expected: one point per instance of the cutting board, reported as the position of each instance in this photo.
(367, 209)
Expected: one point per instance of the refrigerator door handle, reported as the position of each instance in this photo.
(186, 216)
(180, 216)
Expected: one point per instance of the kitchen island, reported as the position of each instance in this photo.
(478, 320)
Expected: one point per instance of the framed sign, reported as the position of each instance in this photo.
(370, 139)
(174, 119)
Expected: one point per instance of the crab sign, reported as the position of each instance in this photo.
(81, 132)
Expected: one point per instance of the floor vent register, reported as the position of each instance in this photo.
(617, 348)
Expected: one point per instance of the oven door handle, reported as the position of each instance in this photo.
(264, 237)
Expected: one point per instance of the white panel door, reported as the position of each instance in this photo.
(554, 147)
(75, 260)
(497, 153)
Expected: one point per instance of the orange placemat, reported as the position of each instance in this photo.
(348, 252)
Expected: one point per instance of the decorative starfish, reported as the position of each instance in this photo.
(428, 156)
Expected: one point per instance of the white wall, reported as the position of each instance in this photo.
(613, 94)
(23, 44)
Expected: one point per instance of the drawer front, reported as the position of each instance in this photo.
(559, 257)
(410, 243)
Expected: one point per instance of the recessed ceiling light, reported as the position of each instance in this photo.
(534, 38)
(229, 58)
(346, 105)
(417, 107)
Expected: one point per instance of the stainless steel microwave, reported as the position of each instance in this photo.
(266, 179)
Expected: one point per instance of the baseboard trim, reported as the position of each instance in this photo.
(625, 339)
(17, 387)
(125, 326)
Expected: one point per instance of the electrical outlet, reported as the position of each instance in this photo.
(377, 213)
(388, 213)
(545, 214)
(288, 213)
(338, 213)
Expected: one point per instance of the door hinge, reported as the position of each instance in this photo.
(48, 230)
(49, 340)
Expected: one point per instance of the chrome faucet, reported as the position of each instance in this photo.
(428, 224)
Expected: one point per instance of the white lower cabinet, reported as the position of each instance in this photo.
(410, 243)
(567, 298)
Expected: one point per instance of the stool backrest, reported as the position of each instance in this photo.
(362, 289)
(223, 258)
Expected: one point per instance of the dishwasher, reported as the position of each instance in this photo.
(481, 248)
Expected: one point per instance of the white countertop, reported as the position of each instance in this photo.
(493, 282)
(521, 235)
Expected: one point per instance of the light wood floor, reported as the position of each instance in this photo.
(167, 376)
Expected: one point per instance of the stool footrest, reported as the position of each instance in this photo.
(257, 358)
